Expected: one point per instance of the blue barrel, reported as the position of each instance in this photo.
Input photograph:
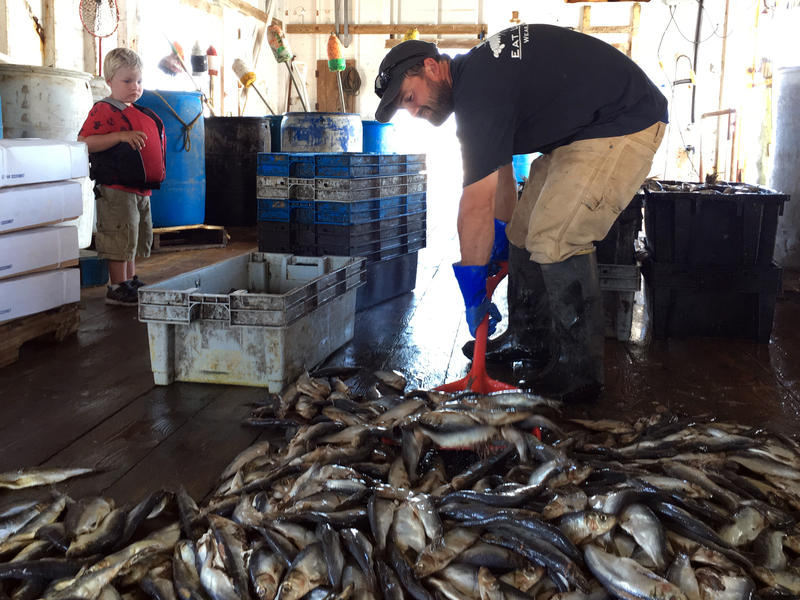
(378, 137)
(182, 197)
(321, 132)
(275, 132)
(522, 165)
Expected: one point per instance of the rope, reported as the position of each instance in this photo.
(351, 81)
(187, 127)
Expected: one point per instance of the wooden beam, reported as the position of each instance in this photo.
(441, 42)
(4, 27)
(247, 9)
(636, 11)
(205, 6)
(89, 52)
(378, 29)
(49, 26)
(123, 40)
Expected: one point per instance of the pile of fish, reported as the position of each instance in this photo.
(716, 187)
(424, 495)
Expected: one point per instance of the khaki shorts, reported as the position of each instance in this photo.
(124, 225)
(575, 193)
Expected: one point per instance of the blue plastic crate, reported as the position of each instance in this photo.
(392, 168)
(346, 159)
(347, 171)
(414, 167)
(301, 211)
(286, 164)
(392, 207)
(273, 209)
(347, 213)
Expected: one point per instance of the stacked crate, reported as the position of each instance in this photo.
(710, 270)
(347, 204)
(619, 270)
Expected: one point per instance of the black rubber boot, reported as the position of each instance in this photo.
(575, 371)
(528, 331)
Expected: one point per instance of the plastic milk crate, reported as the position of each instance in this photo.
(286, 313)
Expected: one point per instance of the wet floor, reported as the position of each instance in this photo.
(91, 401)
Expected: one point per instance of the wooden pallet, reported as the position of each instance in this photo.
(58, 323)
(189, 237)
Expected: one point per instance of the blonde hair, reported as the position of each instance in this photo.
(119, 58)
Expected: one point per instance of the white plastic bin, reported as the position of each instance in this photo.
(259, 319)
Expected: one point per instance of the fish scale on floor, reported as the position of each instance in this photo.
(422, 494)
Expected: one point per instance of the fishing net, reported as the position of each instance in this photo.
(99, 17)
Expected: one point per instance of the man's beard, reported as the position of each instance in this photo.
(440, 105)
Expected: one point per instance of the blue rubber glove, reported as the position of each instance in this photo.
(472, 281)
(499, 247)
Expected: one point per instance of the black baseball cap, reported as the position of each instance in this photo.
(390, 74)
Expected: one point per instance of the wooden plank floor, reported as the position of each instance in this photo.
(90, 400)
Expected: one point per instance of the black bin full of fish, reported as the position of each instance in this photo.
(709, 271)
(358, 495)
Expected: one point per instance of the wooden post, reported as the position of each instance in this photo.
(636, 11)
(3, 27)
(89, 52)
(49, 25)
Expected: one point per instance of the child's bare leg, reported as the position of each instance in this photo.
(117, 271)
(130, 268)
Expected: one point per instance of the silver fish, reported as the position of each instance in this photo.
(747, 524)
(36, 476)
(185, 577)
(437, 556)
(306, 572)
(584, 526)
(266, 570)
(407, 531)
(394, 379)
(682, 574)
(625, 578)
(643, 525)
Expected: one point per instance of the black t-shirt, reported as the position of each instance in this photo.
(533, 88)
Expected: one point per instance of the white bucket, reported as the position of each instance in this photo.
(43, 102)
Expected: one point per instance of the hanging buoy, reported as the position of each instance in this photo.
(278, 44)
(243, 72)
(283, 54)
(248, 78)
(336, 64)
(213, 61)
(199, 60)
(335, 50)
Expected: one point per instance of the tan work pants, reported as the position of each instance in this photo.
(575, 193)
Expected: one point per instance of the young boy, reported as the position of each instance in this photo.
(127, 152)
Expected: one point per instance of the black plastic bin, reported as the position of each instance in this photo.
(618, 248)
(274, 236)
(711, 301)
(719, 224)
(386, 279)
